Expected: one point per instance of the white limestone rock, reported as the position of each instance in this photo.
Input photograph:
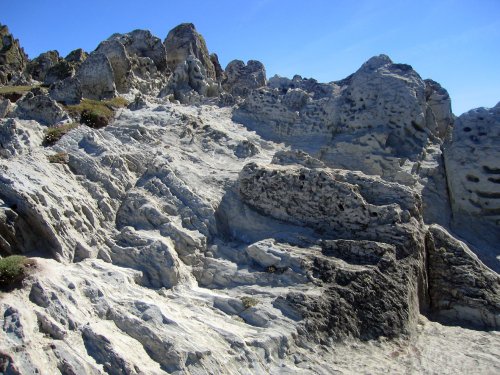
(5, 107)
(461, 287)
(40, 108)
(96, 77)
(67, 91)
(242, 78)
(472, 160)
(184, 41)
(120, 62)
(190, 82)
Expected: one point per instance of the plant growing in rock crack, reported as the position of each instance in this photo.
(58, 158)
(249, 302)
(95, 113)
(13, 269)
(53, 134)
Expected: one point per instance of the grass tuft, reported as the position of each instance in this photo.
(53, 134)
(59, 158)
(13, 269)
(96, 113)
(249, 301)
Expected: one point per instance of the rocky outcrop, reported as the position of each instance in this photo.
(96, 77)
(120, 62)
(241, 79)
(142, 44)
(461, 288)
(439, 103)
(183, 41)
(67, 91)
(77, 56)
(13, 60)
(16, 138)
(472, 160)
(296, 235)
(40, 108)
(5, 107)
(39, 67)
(63, 69)
(190, 83)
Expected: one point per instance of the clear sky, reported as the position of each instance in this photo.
(454, 42)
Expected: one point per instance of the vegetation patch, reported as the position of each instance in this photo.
(96, 113)
(59, 158)
(13, 269)
(14, 93)
(249, 302)
(53, 134)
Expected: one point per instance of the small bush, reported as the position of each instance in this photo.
(59, 158)
(249, 302)
(53, 134)
(95, 113)
(14, 269)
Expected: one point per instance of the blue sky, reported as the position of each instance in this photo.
(454, 42)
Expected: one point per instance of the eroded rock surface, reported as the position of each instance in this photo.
(472, 159)
(258, 227)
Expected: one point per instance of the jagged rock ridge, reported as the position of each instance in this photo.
(226, 223)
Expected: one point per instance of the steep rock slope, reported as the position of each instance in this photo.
(188, 239)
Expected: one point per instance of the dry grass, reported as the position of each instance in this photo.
(13, 269)
(95, 113)
(59, 158)
(53, 134)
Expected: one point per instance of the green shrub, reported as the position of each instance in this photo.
(59, 158)
(249, 302)
(53, 134)
(13, 269)
(95, 113)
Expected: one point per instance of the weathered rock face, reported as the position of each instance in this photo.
(96, 77)
(67, 91)
(289, 242)
(5, 107)
(142, 44)
(76, 56)
(461, 288)
(13, 60)
(39, 67)
(241, 79)
(17, 139)
(183, 41)
(439, 106)
(40, 108)
(120, 62)
(59, 71)
(189, 82)
(472, 159)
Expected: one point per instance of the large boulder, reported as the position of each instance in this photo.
(5, 107)
(241, 79)
(40, 108)
(13, 60)
(120, 62)
(472, 160)
(461, 288)
(183, 41)
(189, 82)
(67, 91)
(97, 77)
